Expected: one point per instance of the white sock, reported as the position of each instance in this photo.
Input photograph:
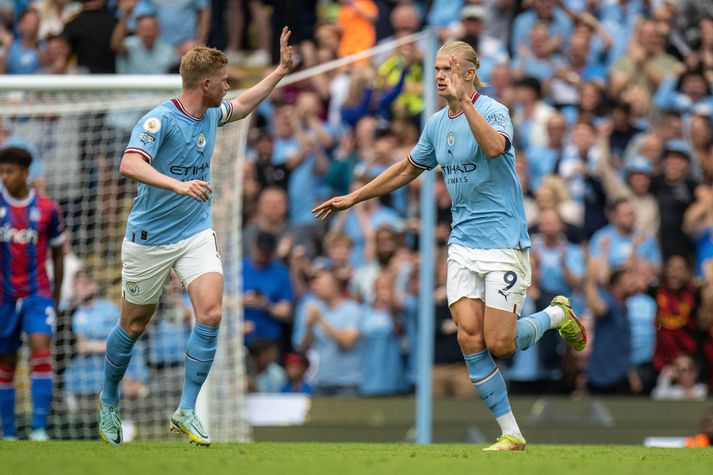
(556, 315)
(508, 425)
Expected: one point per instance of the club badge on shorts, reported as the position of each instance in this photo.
(132, 288)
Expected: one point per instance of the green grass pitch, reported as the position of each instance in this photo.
(95, 458)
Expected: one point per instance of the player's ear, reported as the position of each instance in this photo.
(205, 83)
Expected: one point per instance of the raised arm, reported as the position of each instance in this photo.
(394, 177)
(248, 101)
(491, 141)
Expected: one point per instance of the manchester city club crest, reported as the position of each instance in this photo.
(132, 288)
(200, 141)
(451, 139)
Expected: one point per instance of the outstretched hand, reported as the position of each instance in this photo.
(339, 203)
(286, 58)
(455, 83)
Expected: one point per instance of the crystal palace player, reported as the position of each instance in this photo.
(488, 261)
(170, 225)
(30, 227)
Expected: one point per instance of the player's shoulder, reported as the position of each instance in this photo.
(485, 102)
(436, 119)
(160, 116)
(45, 203)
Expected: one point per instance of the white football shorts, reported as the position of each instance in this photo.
(145, 269)
(498, 277)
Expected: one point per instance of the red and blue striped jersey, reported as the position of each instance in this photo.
(28, 228)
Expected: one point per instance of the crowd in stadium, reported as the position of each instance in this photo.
(612, 105)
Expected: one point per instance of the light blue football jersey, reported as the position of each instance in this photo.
(178, 145)
(488, 210)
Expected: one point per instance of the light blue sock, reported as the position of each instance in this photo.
(488, 382)
(118, 355)
(200, 352)
(530, 329)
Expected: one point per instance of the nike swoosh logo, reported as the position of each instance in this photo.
(117, 440)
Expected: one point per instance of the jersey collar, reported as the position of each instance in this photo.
(179, 105)
(473, 98)
(18, 203)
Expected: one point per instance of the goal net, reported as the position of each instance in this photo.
(78, 138)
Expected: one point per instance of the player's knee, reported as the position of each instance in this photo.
(470, 342)
(210, 317)
(135, 328)
(501, 347)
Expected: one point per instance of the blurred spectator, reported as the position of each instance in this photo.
(300, 16)
(635, 185)
(267, 291)
(698, 224)
(271, 217)
(684, 92)
(642, 308)
(268, 173)
(610, 360)
(578, 65)
(144, 52)
(361, 222)
(356, 19)
(677, 297)
(561, 261)
(530, 114)
(621, 243)
(300, 140)
(675, 191)
(184, 23)
(645, 64)
(265, 375)
(622, 129)
(471, 30)
(332, 329)
(705, 323)
(700, 136)
(296, 366)
(89, 35)
(23, 55)
(536, 58)
(54, 14)
(383, 371)
(553, 194)
(578, 167)
(238, 25)
(679, 381)
(541, 11)
(544, 158)
(59, 55)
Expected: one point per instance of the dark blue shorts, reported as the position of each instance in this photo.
(30, 315)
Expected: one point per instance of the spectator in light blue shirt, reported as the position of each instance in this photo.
(383, 370)
(620, 239)
(332, 329)
(23, 55)
(144, 52)
(560, 25)
(183, 22)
